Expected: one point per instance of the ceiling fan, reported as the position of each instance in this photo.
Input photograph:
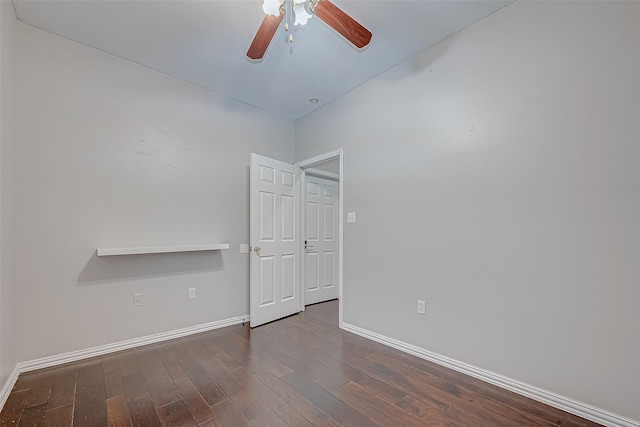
(299, 11)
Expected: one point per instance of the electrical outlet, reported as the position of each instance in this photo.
(422, 307)
(137, 300)
(192, 293)
(351, 217)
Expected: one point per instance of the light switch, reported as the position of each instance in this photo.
(351, 217)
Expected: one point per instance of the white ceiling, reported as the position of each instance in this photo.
(205, 42)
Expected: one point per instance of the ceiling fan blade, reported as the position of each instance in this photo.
(264, 36)
(348, 27)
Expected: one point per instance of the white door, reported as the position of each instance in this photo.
(321, 240)
(275, 238)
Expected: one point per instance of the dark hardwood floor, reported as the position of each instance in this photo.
(299, 371)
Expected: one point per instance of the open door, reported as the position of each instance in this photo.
(274, 205)
(321, 243)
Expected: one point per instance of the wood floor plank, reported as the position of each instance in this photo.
(33, 416)
(309, 358)
(236, 344)
(58, 417)
(40, 391)
(300, 371)
(277, 350)
(163, 391)
(213, 423)
(112, 377)
(90, 407)
(551, 415)
(417, 407)
(208, 388)
(342, 412)
(277, 405)
(25, 381)
(296, 400)
(251, 404)
(229, 415)
(256, 411)
(210, 343)
(152, 366)
(408, 359)
(393, 379)
(379, 388)
(196, 404)
(179, 350)
(128, 363)
(135, 386)
(476, 399)
(63, 388)
(176, 414)
(90, 413)
(171, 364)
(228, 361)
(143, 413)
(370, 406)
(118, 412)
(198, 349)
(393, 363)
(221, 375)
(288, 335)
(355, 368)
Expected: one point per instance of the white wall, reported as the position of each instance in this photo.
(112, 154)
(496, 176)
(8, 63)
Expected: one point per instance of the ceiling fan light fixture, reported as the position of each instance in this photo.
(300, 12)
(272, 7)
(298, 8)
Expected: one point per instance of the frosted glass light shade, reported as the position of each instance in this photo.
(302, 16)
(272, 7)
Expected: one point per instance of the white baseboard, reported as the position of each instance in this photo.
(8, 386)
(73, 356)
(564, 403)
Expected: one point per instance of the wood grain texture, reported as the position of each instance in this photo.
(196, 404)
(59, 417)
(298, 372)
(263, 37)
(118, 412)
(33, 416)
(345, 25)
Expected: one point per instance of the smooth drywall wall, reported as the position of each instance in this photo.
(496, 177)
(8, 63)
(112, 154)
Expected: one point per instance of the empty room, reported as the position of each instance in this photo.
(319, 212)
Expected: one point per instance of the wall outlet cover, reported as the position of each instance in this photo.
(192, 293)
(351, 217)
(137, 300)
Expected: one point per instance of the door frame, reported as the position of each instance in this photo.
(306, 164)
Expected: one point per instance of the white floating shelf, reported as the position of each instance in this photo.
(161, 249)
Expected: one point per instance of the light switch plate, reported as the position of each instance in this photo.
(422, 307)
(351, 217)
